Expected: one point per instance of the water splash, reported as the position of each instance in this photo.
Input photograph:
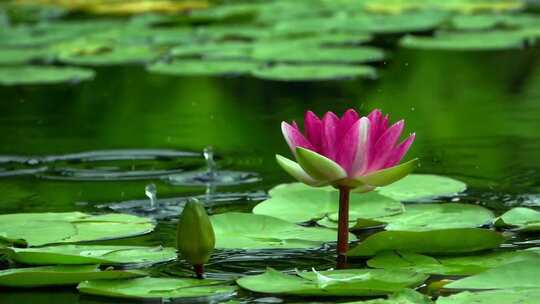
(151, 191)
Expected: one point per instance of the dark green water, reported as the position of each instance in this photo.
(476, 115)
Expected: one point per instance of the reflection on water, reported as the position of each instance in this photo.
(475, 115)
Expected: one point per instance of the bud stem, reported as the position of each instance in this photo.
(199, 271)
(343, 228)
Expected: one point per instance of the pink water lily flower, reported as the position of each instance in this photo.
(348, 151)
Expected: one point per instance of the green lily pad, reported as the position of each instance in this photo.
(69, 227)
(10, 56)
(91, 254)
(213, 50)
(311, 72)
(252, 231)
(182, 67)
(463, 265)
(111, 55)
(289, 52)
(506, 296)
(405, 296)
(26, 75)
(523, 274)
(60, 275)
(422, 186)
(298, 203)
(165, 288)
(488, 21)
(349, 282)
(470, 41)
(524, 219)
(446, 241)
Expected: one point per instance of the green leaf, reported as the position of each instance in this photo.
(313, 72)
(506, 296)
(421, 186)
(27, 75)
(447, 241)
(164, 288)
(524, 219)
(522, 274)
(298, 203)
(349, 282)
(304, 52)
(91, 254)
(10, 56)
(462, 265)
(183, 67)
(404, 296)
(251, 231)
(470, 41)
(60, 275)
(69, 227)
(109, 55)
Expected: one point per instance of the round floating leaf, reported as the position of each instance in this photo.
(304, 72)
(202, 67)
(69, 227)
(524, 219)
(298, 203)
(464, 265)
(290, 52)
(25, 75)
(92, 254)
(507, 296)
(60, 275)
(350, 282)
(422, 217)
(252, 231)
(110, 55)
(446, 241)
(9, 56)
(469, 41)
(422, 186)
(488, 21)
(405, 296)
(523, 274)
(213, 50)
(165, 288)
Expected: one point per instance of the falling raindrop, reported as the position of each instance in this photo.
(208, 154)
(151, 191)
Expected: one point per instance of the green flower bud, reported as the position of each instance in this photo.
(195, 237)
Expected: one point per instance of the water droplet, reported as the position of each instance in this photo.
(412, 109)
(150, 190)
(208, 154)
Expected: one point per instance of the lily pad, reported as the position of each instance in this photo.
(446, 241)
(252, 231)
(111, 55)
(10, 56)
(523, 274)
(422, 186)
(298, 203)
(69, 227)
(463, 265)
(26, 75)
(349, 282)
(507, 296)
(164, 288)
(289, 52)
(91, 254)
(182, 67)
(470, 41)
(405, 296)
(60, 275)
(311, 72)
(524, 219)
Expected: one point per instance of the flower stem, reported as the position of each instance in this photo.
(199, 271)
(343, 228)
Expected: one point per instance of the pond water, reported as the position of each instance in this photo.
(475, 115)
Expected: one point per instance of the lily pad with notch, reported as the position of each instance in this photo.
(60, 275)
(159, 288)
(253, 231)
(92, 254)
(349, 282)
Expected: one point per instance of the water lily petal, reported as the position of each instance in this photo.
(349, 118)
(379, 153)
(294, 138)
(297, 172)
(318, 166)
(313, 130)
(389, 175)
(330, 124)
(399, 151)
